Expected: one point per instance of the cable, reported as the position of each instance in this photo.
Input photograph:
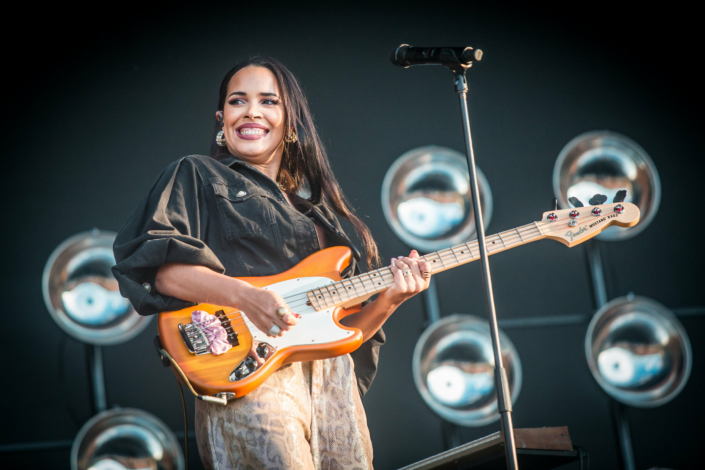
(183, 407)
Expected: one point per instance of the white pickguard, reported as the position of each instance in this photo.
(313, 327)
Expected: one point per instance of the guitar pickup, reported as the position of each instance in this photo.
(225, 323)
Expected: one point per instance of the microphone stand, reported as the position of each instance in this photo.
(504, 400)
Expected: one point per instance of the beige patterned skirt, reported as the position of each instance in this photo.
(305, 416)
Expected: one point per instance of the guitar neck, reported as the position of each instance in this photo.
(373, 282)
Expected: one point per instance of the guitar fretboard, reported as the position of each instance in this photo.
(378, 280)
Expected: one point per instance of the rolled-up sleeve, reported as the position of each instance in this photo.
(168, 226)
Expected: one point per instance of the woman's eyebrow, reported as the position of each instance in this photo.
(242, 93)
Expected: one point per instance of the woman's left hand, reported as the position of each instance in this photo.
(408, 278)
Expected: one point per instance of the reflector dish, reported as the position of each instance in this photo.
(453, 367)
(638, 352)
(82, 295)
(427, 200)
(127, 438)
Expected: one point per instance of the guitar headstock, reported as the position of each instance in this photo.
(564, 226)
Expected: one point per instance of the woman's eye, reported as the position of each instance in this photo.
(235, 101)
(270, 102)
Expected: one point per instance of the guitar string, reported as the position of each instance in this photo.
(506, 237)
(383, 275)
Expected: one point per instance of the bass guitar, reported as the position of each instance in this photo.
(315, 290)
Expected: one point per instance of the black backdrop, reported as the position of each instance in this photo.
(96, 104)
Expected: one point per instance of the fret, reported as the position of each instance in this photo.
(357, 280)
(440, 258)
(519, 233)
(350, 288)
(491, 244)
(504, 242)
(468, 250)
(376, 282)
(334, 289)
(457, 261)
(313, 300)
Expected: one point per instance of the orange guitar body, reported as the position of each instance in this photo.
(209, 374)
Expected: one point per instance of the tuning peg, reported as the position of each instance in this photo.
(597, 199)
(554, 204)
(575, 201)
(620, 196)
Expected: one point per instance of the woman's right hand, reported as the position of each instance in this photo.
(261, 307)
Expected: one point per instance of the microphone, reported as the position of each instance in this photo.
(405, 56)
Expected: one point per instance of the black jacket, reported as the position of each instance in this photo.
(227, 216)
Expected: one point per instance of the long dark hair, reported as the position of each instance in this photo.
(304, 162)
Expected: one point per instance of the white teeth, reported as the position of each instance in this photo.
(252, 131)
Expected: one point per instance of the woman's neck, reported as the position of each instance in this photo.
(268, 165)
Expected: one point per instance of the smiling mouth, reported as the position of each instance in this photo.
(252, 131)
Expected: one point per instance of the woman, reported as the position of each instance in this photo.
(238, 213)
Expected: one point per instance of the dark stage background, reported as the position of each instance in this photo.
(94, 109)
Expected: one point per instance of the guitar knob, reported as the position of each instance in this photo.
(573, 218)
(596, 211)
(619, 208)
(552, 217)
(251, 363)
(262, 350)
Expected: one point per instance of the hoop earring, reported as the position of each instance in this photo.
(220, 136)
(291, 137)
(220, 139)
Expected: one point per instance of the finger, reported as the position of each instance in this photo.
(419, 281)
(425, 267)
(291, 318)
(414, 254)
(399, 280)
(406, 269)
(286, 321)
(413, 265)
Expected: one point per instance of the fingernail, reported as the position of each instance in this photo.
(297, 315)
(400, 257)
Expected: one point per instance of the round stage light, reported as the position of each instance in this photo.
(603, 162)
(638, 352)
(453, 366)
(121, 439)
(427, 200)
(82, 295)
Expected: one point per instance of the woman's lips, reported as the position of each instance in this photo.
(251, 132)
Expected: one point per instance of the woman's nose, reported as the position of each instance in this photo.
(253, 112)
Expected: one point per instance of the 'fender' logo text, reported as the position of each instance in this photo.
(572, 235)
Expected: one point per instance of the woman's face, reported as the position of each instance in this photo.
(253, 116)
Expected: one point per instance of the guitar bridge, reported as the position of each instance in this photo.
(195, 340)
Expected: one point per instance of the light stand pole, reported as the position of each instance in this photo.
(504, 399)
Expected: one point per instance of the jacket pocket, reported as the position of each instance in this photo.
(244, 208)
